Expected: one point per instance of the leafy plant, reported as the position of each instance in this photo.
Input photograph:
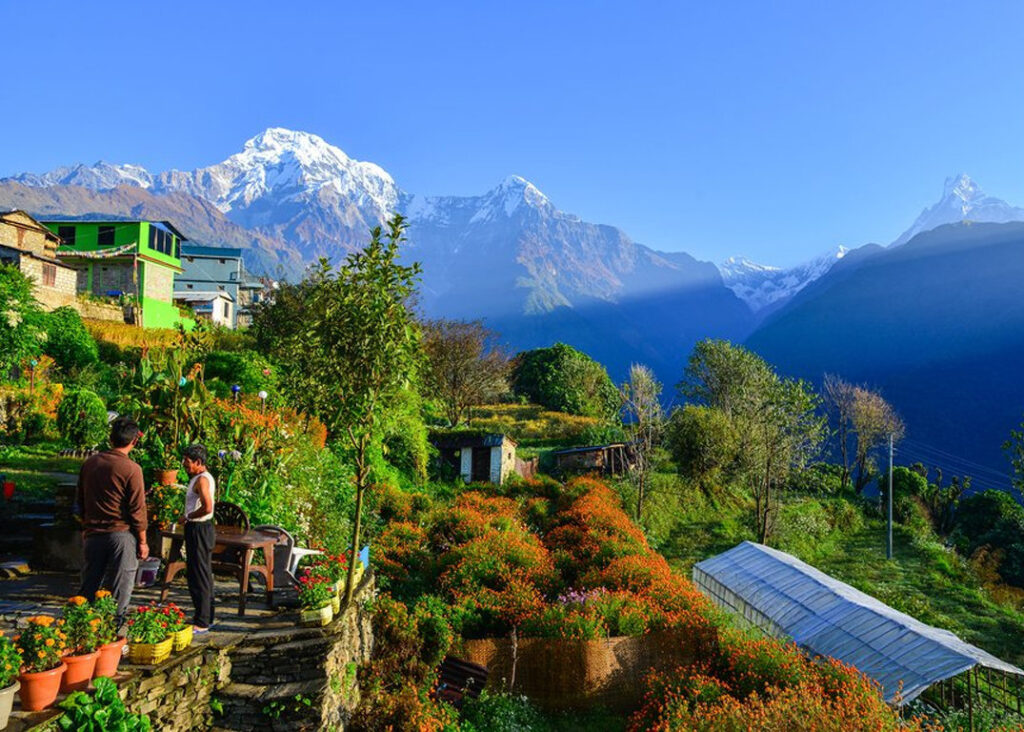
(147, 624)
(105, 608)
(10, 661)
(103, 711)
(41, 643)
(165, 504)
(81, 623)
(82, 418)
(67, 340)
(315, 590)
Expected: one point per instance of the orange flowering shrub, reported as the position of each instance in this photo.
(401, 551)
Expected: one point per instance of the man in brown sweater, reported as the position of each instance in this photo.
(112, 504)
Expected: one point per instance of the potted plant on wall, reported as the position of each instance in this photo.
(169, 466)
(41, 644)
(181, 632)
(106, 634)
(81, 624)
(10, 664)
(149, 640)
(315, 593)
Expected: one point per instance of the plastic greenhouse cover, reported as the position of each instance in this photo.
(830, 618)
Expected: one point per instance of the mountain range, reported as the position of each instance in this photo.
(538, 274)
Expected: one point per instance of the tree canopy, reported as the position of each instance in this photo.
(565, 380)
(463, 366)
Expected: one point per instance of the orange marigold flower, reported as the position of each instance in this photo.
(41, 654)
(49, 642)
(100, 594)
(77, 600)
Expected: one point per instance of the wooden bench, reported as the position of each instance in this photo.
(458, 679)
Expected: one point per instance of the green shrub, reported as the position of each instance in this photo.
(250, 370)
(67, 341)
(104, 710)
(82, 418)
(566, 380)
(500, 713)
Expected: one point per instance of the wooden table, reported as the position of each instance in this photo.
(226, 537)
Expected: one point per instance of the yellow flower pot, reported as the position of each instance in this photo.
(317, 617)
(150, 654)
(182, 638)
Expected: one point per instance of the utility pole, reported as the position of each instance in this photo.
(888, 542)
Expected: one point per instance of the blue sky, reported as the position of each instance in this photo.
(774, 130)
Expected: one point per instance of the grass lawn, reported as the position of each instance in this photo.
(33, 468)
(924, 579)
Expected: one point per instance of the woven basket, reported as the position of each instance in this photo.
(150, 654)
(182, 638)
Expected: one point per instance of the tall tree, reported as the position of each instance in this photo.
(775, 419)
(349, 346)
(21, 332)
(839, 398)
(463, 366)
(644, 419)
(873, 421)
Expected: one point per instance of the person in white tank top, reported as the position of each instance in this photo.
(199, 535)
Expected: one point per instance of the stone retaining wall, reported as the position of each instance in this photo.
(283, 678)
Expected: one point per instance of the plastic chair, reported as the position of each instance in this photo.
(286, 556)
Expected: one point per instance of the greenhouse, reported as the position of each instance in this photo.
(787, 598)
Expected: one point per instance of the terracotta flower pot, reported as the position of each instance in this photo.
(167, 477)
(110, 659)
(39, 690)
(79, 672)
(6, 702)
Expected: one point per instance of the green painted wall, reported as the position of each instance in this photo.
(155, 313)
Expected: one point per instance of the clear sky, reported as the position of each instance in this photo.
(769, 129)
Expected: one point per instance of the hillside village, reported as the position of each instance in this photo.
(426, 532)
(136, 272)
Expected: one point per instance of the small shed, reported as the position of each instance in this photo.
(477, 457)
(611, 459)
(787, 598)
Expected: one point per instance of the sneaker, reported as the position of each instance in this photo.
(199, 629)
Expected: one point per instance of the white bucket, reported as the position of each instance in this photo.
(148, 571)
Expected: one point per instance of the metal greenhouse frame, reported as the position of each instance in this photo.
(787, 598)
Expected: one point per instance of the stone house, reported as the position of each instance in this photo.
(126, 258)
(476, 457)
(32, 248)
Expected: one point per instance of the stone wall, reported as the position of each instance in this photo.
(100, 311)
(281, 678)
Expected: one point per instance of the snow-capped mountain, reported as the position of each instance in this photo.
(536, 273)
(100, 176)
(962, 200)
(762, 286)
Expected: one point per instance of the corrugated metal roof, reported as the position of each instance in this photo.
(830, 618)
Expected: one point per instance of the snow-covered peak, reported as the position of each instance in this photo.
(739, 266)
(289, 164)
(100, 176)
(505, 199)
(761, 285)
(962, 200)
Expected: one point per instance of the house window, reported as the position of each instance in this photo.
(67, 234)
(49, 275)
(227, 310)
(189, 286)
(105, 236)
(190, 259)
(222, 261)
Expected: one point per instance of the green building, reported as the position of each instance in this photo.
(137, 259)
